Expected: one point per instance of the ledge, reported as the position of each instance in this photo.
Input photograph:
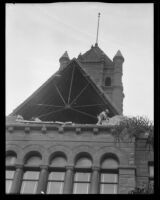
(42, 127)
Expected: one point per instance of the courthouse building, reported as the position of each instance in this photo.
(53, 142)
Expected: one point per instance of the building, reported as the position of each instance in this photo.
(53, 144)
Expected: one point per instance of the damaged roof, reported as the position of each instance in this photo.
(68, 95)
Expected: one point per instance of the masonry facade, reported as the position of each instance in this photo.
(75, 158)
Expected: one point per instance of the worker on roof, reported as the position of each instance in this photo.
(103, 116)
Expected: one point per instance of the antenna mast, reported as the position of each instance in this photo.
(97, 29)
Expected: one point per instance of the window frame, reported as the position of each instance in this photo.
(32, 169)
(10, 167)
(56, 169)
(82, 170)
(150, 178)
(108, 171)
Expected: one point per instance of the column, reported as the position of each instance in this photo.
(94, 189)
(16, 185)
(68, 183)
(42, 183)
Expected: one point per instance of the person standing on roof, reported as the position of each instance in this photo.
(103, 116)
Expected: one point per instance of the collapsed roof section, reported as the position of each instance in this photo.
(69, 95)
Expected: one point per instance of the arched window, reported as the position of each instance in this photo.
(31, 174)
(10, 170)
(109, 176)
(82, 176)
(56, 175)
(107, 81)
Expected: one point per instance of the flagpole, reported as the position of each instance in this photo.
(97, 29)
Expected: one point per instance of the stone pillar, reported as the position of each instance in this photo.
(42, 183)
(16, 185)
(126, 181)
(94, 188)
(68, 183)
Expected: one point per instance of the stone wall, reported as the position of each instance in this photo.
(73, 140)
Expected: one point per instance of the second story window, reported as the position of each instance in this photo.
(30, 182)
(9, 179)
(82, 176)
(31, 174)
(109, 177)
(10, 170)
(56, 175)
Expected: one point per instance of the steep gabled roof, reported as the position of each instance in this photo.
(95, 54)
(69, 95)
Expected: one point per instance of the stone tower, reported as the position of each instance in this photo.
(105, 73)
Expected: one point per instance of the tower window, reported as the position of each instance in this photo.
(107, 81)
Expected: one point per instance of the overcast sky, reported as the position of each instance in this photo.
(38, 34)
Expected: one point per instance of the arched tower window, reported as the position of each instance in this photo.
(56, 175)
(82, 176)
(109, 176)
(31, 174)
(107, 81)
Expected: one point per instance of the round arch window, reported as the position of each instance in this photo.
(109, 176)
(82, 176)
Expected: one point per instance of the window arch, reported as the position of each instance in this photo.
(31, 173)
(82, 176)
(59, 161)
(108, 81)
(84, 162)
(109, 163)
(11, 158)
(109, 176)
(33, 159)
(57, 169)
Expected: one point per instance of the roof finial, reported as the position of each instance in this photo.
(97, 30)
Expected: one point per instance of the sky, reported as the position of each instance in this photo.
(38, 34)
